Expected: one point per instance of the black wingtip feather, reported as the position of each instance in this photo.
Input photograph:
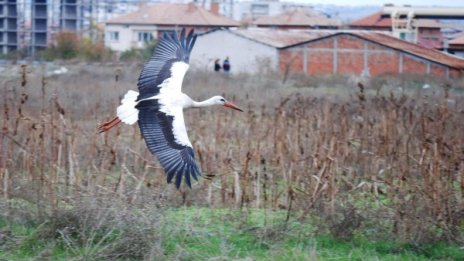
(190, 35)
(182, 38)
(179, 175)
(193, 173)
(192, 43)
(170, 175)
(187, 178)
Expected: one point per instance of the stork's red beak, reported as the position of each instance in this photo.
(232, 106)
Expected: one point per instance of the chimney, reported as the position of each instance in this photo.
(214, 8)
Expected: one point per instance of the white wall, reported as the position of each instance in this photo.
(128, 36)
(459, 53)
(244, 55)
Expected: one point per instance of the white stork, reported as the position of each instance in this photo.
(158, 107)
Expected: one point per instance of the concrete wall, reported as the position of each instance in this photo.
(245, 55)
(346, 54)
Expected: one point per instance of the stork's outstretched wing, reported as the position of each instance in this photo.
(169, 61)
(160, 115)
(157, 129)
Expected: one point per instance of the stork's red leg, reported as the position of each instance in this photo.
(108, 125)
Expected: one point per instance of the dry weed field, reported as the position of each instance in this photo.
(382, 155)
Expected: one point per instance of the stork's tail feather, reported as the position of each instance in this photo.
(108, 125)
(127, 111)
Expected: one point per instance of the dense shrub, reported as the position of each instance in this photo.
(70, 46)
(138, 55)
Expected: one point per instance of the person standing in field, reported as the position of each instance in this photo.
(217, 65)
(226, 65)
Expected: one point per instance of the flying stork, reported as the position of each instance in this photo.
(158, 107)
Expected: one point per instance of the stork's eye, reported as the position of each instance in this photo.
(222, 100)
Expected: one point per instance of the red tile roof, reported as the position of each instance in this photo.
(280, 38)
(373, 20)
(411, 48)
(174, 14)
(376, 20)
(457, 41)
(297, 17)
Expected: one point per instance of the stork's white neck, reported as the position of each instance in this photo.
(209, 102)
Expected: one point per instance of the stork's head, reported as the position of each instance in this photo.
(219, 100)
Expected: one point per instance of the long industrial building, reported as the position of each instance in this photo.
(322, 52)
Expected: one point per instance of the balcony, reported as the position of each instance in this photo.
(69, 12)
(39, 25)
(12, 38)
(39, 39)
(12, 11)
(68, 2)
(70, 25)
(40, 11)
(11, 24)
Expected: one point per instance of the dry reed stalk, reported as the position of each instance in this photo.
(309, 154)
(237, 190)
(6, 180)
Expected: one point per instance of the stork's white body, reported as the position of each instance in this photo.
(172, 102)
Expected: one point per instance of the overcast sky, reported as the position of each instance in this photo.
(459, 3)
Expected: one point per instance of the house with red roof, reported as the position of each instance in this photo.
(428, 31)
(134, 29)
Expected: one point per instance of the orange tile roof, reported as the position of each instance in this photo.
(373, 20)
(174, 14)
(411, 48)
(376, 20)
(414, 49)
(457, 41)
(297, 17)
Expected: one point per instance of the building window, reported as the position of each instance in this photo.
(145, 37)
(260, 9)
(403, 36)
(113, 36)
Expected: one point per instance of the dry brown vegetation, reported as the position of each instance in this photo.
(366, 157)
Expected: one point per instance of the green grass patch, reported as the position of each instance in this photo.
(226, 234)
